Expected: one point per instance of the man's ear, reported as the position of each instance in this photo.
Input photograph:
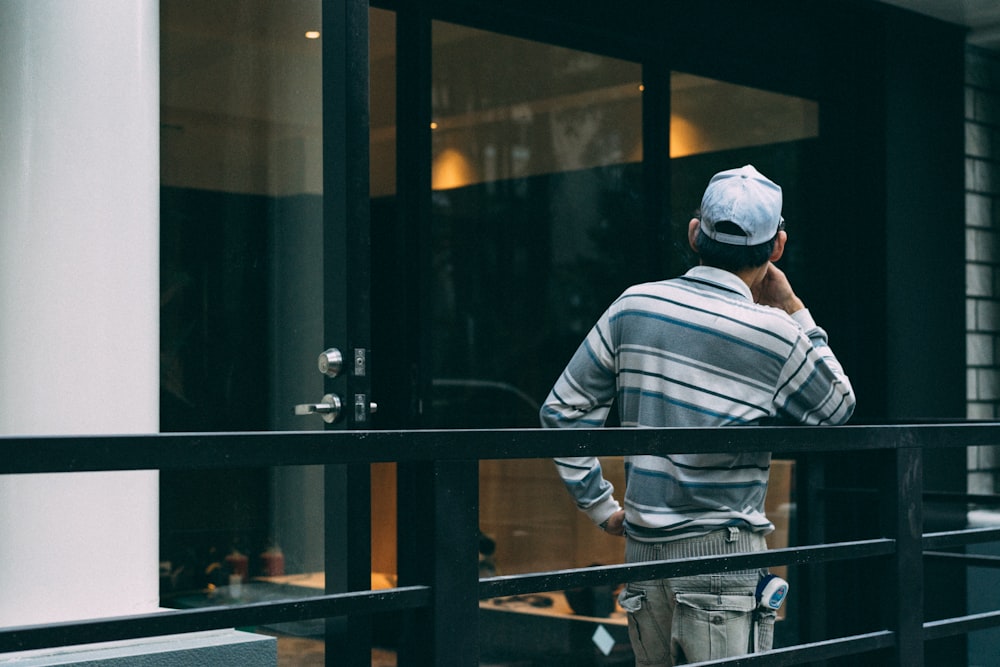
(779, 246)
(693, 232)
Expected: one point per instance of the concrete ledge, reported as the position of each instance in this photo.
(218, 647)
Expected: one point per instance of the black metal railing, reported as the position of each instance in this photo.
(438, 596)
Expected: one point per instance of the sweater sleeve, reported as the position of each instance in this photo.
(581, 398)
(814, 388)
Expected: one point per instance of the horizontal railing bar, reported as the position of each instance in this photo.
(537, 582)
(847, 491)
(973, 498)
(809, 653)
(928, 496)
(957, 538)
(960, 625)
(172, 622)
(170, 451)
(969, 560)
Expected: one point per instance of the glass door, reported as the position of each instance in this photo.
(241, 213)
(252, 271)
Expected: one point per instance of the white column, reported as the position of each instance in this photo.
(79, 299)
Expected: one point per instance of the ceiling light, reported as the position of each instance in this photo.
(312, 34)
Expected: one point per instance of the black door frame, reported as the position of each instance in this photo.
(347, 311)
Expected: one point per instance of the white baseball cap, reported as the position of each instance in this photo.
(746, 198)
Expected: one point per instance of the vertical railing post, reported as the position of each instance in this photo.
(902, 519)
(415, 529)
(439, 547)
(455, 598)
(812, 517)
(347, 559)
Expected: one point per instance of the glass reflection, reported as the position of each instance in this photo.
(534, 167)
(707, 115)
(520, 108)
(536, 154)
(241, 202)
(716, 125)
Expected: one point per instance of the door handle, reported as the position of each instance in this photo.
(329, 409)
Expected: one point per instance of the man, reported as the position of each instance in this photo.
(728, 343)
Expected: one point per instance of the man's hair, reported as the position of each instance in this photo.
(732, 258)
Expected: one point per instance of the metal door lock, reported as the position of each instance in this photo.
(329, 409)
(331, 362)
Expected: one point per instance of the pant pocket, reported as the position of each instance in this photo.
(648, 623)
(764, 624)
(708, 626)
(631, 599)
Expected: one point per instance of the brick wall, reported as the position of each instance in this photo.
(982, 252)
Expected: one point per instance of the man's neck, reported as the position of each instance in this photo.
(752, 277)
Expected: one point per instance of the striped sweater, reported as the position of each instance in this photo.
(693, 351)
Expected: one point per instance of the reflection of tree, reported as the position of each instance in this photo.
(176, 330)
(486, 253)
(522, 270)
(573, 131)
(213, 310)
(615, 253)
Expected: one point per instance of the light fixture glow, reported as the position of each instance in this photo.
(434, 125)
(452, 169)
(312, 34)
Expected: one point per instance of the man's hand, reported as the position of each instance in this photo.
(775, 290)
(615, 525)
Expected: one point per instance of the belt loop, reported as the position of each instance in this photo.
(716, 584)
(734, 533)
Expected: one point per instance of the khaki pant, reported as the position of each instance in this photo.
(703, 617)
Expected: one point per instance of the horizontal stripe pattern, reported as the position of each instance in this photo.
(693, 351)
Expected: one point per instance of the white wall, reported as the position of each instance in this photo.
(79, 298)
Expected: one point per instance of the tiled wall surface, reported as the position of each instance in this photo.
(982, 251)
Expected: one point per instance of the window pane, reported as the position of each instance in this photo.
(715, 125)
(537, 207)
(520, 108)
(536, 174)
(708, 116)
(537, 180)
